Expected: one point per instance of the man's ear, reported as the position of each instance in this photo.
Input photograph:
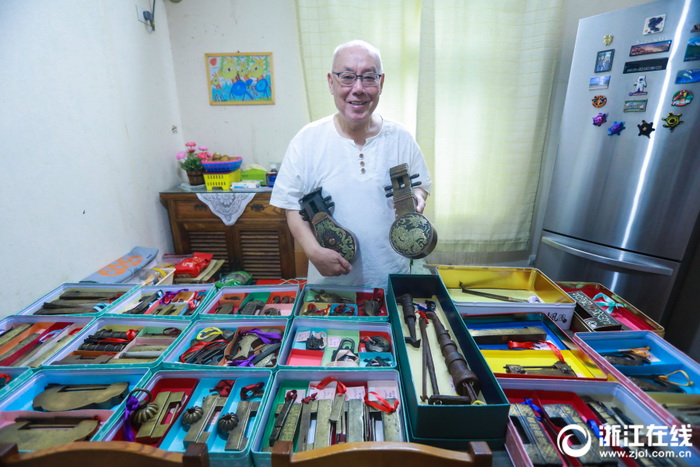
(330, 82)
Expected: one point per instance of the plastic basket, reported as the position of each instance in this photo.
(221, 180)
(223, 166)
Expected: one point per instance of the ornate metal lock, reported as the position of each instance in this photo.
(411, 234)
(316, 210)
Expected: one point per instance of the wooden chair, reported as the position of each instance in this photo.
(383, 453)
(104, 454)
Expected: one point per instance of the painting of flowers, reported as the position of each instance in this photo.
(240, 78)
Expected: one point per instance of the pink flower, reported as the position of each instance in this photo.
(191, 145)
(203, 148)
(181, 155)
(204, 155)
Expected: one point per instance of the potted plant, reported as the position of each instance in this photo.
(191, 162)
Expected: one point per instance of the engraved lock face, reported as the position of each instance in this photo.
(412, 236)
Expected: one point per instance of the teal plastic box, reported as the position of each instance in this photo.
(197, 385)
(11, 377)
(343, 303)
(208, 330)
(356, 383)
(227, 302)
(460, 422)
(20, 402)
(163, 301)
(134, 334)
(318, 342)
(37, 338)
(117, 293)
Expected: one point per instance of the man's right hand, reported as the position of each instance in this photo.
(329, 262)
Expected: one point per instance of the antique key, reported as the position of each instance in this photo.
(557, 369)
(316, 210)
(411, 234)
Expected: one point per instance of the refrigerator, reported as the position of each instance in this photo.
(624, 200)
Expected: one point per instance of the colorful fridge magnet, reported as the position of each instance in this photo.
(599, 82)
(692, 51)
(650, 48)
(682, 98)
(685, 76)
(645, 128)
(607, 39)
(636, 106)
(644, 66)
(616, 128)
(654, 24)
(599, 101)
(672, 121)
(599, 119)
(640, 84)
(604, 61)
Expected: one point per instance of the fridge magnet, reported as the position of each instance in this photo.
(616, 128)
(642, 66)
(599, 101)
(692, 50)
(599, 82)
(604, 60)
(682, 98)
(650, 48)
(636, 106)
(599, 119)
(672, 121)
(654, 24)
(645, 128)
(695, 28)
(686, 76)
(607, 39)
(640, 84)
(240, 78)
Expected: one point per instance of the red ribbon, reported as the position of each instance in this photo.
(249, 391)
(341, 389)
(198, 346)
(531, 345)
(381, 403)
(224, 387)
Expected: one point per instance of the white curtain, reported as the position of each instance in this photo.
(474, 80)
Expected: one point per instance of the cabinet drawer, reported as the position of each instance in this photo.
(194, 209)
(258, 208)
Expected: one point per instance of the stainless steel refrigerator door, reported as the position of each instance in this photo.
(643, 281)
(629, 191)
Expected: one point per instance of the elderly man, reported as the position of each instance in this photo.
(349, 155)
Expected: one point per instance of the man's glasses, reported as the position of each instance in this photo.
(346, 78)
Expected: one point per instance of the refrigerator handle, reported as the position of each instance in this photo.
(661, 270)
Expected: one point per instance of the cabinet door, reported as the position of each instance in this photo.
(264, 249)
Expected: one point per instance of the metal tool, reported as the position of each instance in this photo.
(409, 317)
(465, 380)
(539, 448)
(169, 406)
(62, 397)
(33, 434)
(281, 414)
(600, 320)
(428, 363)
(245, 411)
(559, 368)
(198, 431)
(503, 298)
(496, 336)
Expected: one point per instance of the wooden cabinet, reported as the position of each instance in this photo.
(259, 242)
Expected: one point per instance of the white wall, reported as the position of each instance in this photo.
(258, 133)
(88, 104)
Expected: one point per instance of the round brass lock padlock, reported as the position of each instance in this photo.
(413, 236)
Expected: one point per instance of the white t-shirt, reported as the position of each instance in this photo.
(318, 156)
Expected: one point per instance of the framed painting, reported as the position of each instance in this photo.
(240, 78)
